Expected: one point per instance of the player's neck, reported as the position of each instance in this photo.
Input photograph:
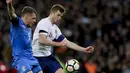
(50, 18)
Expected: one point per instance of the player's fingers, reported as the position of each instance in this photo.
(8, 1)
(88, 48)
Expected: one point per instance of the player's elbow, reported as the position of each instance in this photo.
(12, 16)
(42, 41)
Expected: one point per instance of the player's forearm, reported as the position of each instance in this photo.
(11, 10)
(74, 46)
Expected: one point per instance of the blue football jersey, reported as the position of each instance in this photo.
(20, 37)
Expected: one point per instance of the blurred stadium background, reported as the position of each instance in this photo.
(105, 24)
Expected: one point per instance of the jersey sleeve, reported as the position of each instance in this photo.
(43, 28)
(15, 21)
(59, 36)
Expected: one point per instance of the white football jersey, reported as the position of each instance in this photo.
(52, 32)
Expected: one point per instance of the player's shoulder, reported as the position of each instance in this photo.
(43, 21)
(56, 26)
(43, 24)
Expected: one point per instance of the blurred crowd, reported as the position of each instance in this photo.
(105, 24)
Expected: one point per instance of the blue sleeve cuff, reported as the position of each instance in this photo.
(15, 21)
(60, 38)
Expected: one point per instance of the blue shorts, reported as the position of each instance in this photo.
(49, 64)
(23, 64)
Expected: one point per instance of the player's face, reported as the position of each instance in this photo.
(31, 19)
(57, 16)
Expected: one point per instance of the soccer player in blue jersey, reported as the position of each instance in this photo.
(20, 37)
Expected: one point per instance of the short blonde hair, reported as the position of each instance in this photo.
(27, 9)
(57, 7)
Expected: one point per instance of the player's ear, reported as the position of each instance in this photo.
(26, 16)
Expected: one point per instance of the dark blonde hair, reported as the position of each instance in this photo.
(57, 7)
(27, 9)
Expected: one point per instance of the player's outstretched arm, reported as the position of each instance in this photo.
(10, 9)
(74, 46)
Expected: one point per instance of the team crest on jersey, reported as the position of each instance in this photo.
(23, 68)
(50, 35)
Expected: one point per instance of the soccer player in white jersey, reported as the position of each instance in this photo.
(43, 40)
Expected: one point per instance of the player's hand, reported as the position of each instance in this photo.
(89, 49)
(8, 1)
